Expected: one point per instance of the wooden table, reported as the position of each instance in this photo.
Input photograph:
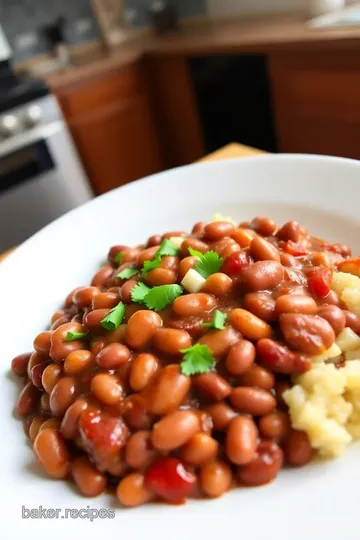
(233, 150)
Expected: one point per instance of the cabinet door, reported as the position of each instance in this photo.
(317, 101)
(118, 143)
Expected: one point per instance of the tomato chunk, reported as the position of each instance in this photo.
(319, 281)
(235, 263)
(169, 479)
(294, 248)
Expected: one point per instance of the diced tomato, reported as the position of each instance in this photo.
(339, 249)
(319, 281)
(235, 263)
(169, 479)
(294, 248)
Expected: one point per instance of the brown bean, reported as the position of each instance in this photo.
(241, 440)
(51, 376)
(92, 320)
(169, 262)
(36, 375)
(106, 388)
(200, 449)
(35, 359)
(84, 297)
(90, 481)
(220, 341)
(113, 254)
(262, 275)
(331, 299)
(187, 264)
(78, 361)
(35, 427)
(290, 231)
(240, 357)
(321, 258)
(62, 320)
(147, 255)
(42, 343)
(218, 229)
(215, 478)
(113, 356)
(264, 226)
(154, 240)
(143, 368)
(212, 385)
(297, 448)
(132, 490)
(279, 359)
(102, 276)
(195, 304)
(280, 387)
(261, 304)
(174, 430)
(243, 237)
(130, 255)
(262, 250)
(251, 400)
(289, 260)
(160, 276)
(167, 391)
(171, 234)
(275, 425)
(57, 315)
(45, 404)
(51, 451)
(218, 284)
(221, 415)
(264, 467)
(193, 243)
(250, 326)
(62, 396)
(352, 321)
(126, 291)
(296, 303)
(105, 300)
(225, 247)
(19, 364)
(139, 451)
(171, 341)
(309, 334)
(27, 400)
(70, 423)
(259, 377)
(198, 229)
(141, 327)
(334, 316)
(59, 347)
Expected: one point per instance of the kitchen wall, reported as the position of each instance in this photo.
(229, 7)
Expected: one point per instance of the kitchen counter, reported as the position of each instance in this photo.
(260, 34)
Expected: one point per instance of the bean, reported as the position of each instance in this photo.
(262, 275)
(102, 276)
(113, 356)
(352, 321)
(106, 388)
(251, 400)
(218, 284)
(167, 391)
(215, 478)
(334, 316)
(174, 430)
(221, 415)
(45, 404)
(130, 255)
(36, 375)
(218, 229)
(116, 336)
(243, 237)
(19, 364)
(135, 412)
(261, 304)
(78, 361)
(50, 377)
(275, 425)
(259, 377)
(52, 453)
(225, 247)
(35, 427)
(264, 226)
(143, 368)
(280, 387)
(35, 359)
(141, 327)
(212, 385)
(126, 291)
(262, 250)
(42, 343)
(154, 240)
(193, 243)
(27, 400)
(200, 449)
(59, 347)
(297, 448)
(57, 315)
(132, 490)
(290, 231)
(160, 276)
(187, 264)
(241, 440)
(331, 299)
(309, 334)
(220, 341)
(172, 234)
(171, 341)
(296, 303)
(169, 262)
(69, 300)
(198, 229)
(139, 451)
(250, 326)
(83, 297)
(105, 300)
(240, 357)
(70, 422)
(321, 258)
(92, 320)
(62, 396)
(195, 304)
(289, 260)
(113, 252)
(90, 481)
(264, 467)
(53, 423)
(280, 359)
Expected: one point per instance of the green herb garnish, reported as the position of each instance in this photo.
(73, 336)
(217, 322)
(150, 265)
(167, 248)
(197, 359)
(160, 297)
(127, 273)
(139, 292)
(209, 263)
(114, 318)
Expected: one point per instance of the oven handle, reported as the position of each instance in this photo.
(40, 133)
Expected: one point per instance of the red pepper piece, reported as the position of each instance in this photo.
(235, 263)
(319, 281)
(168, 478)
(294, 248)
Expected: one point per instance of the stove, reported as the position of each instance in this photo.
(15, 90)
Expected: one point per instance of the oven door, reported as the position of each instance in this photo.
(39, 181)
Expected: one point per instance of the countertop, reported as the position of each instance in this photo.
(230, 151)
(256, 34)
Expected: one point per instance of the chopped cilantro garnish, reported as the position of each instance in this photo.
(217, 322)
(166, 248)
(197, 359)
(114, 318)
(139, 292)
(160, 297)
(209, 263)
(127, 273)
(73, 336)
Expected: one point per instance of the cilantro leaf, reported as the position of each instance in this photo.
(127, 273)
(167, 248)
(114, 318)
(163, 295)
(196, 359)
(74, 336)
(210, 262)
(150, 265)
(117, 257)
(139, 292)
(217, 322)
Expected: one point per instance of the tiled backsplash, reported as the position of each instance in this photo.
(22, 20)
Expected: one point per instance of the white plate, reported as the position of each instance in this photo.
(318, 501)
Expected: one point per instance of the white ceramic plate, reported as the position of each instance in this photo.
(318, 501)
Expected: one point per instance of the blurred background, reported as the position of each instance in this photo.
(98, 93)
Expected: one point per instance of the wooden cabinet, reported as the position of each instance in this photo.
(112, 124)
(316, 97)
